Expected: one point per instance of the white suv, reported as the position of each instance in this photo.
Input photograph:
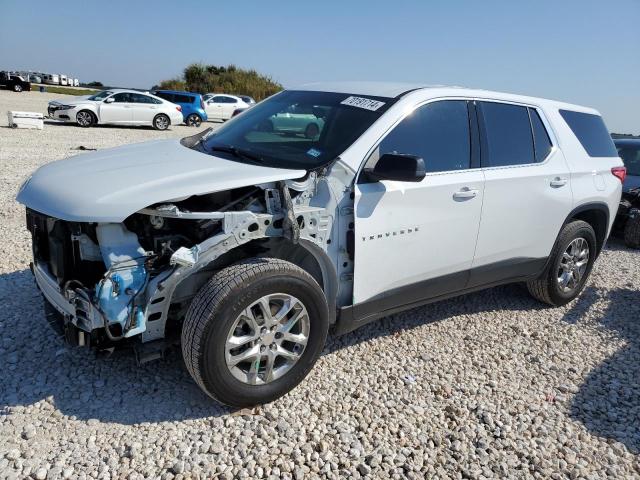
(249, 243)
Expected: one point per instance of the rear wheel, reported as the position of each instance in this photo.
(632, 232)
(85, 118)
(254, 331)
(194, 120)
(17, 88)
(161, 122)
(569, 266)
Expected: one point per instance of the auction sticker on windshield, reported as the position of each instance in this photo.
(361, 102)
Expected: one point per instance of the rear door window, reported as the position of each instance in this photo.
(140, 98)
(541, 143)
(167, 96)
(437, 132)
(183, 98)
(506, 137)
(592, 133)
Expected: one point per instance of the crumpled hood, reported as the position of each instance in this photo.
(109, 185)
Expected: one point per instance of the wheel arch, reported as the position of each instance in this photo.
(153, 122)
(305, 254)
(595, 214)
(85, 108)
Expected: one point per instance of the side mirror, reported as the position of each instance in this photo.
(109, 100)
(397, 167)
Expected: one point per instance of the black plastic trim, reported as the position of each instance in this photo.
(474, 133)
(603, 207)
(436, 289)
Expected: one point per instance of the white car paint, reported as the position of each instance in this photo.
(221, 106)
(111, 184)
(404, 232)
(109, 110)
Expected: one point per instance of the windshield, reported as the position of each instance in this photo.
(630, 155)
(297, 129)
(101, 95)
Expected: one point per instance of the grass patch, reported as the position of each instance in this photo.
(35, 87)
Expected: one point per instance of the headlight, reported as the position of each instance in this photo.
(66, 107)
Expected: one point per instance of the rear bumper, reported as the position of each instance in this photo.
(176, 118)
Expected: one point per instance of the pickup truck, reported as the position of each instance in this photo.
(14, 82)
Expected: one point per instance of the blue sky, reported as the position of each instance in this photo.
(577, 51)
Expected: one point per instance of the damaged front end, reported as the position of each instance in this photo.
(94, 275)
(112, 283)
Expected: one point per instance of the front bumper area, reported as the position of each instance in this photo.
(63, 115)
(74, 304)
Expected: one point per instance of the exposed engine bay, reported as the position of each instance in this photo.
(134, 279)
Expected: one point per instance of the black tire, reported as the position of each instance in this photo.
(214, 310)
(311, 131)
(161, 122)
(17, 88)
(86, 118)
(193, 120)
(632, 232)
(546, 288)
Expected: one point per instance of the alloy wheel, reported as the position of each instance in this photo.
(84, 119)
(573, 265)
(162, 123)
(267, 339)
(194, 120)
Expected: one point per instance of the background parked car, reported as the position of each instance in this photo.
(193, 107)
(247, 99)
(222, 107)
(296, 120)
(120, 107)
(629, 151)
(14, 82)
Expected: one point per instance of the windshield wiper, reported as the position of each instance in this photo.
(194, 140)
(237, 152)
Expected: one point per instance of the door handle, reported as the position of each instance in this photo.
(465, 193)
(558, 182)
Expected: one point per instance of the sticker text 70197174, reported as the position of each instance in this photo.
(361, 102)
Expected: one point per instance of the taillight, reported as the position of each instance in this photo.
(179, 108)
(201, 103)
(620, 172)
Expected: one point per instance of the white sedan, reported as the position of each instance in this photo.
(222, 107)
(118, 107)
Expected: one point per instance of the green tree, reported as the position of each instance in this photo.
(230, 79)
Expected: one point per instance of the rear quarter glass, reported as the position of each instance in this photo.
(591, 132)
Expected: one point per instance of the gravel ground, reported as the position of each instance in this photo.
(488, 385)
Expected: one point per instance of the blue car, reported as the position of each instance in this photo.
(192, 105)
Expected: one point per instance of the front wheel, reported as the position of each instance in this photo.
(85, 118)
(17, 88)
(161, 122)
(254, 331)
(193, 120)
(569, 265)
